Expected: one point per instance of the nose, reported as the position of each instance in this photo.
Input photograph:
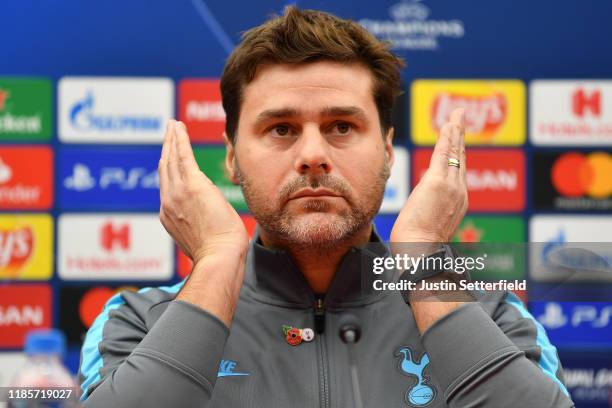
(312, 156)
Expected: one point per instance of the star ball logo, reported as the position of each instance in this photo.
(469, 233)
(502, 239)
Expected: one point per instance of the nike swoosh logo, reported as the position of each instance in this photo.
(231, 374)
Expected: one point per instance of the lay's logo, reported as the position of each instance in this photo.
(15, 249)
(483, 114)
(26, 246)
(494, 110)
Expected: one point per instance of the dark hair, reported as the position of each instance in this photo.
(304, 36)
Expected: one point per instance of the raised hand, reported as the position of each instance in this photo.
(193, 210)
(438, 203)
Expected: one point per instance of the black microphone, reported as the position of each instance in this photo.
(350, 333)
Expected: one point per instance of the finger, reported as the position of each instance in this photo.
(174, 174)
(462, 173)
(187, 161)
(462, 155)
(163, 161)
(458, 119)
(457, 144)
(439, 158)
(165, 145)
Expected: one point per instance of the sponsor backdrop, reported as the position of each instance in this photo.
(83, 111)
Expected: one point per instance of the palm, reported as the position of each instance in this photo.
(439, 201)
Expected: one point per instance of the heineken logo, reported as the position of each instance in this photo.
(3, 97)
(20, 124)
(25, 109)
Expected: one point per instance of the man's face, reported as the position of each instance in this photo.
(309, 153)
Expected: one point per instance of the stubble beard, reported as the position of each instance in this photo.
(317, 229)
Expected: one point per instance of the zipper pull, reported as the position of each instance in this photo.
(319, 316)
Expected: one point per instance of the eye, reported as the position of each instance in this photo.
(281, 130)
(342, 128)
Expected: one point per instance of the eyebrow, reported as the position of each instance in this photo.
(345, 111)
(330, 111)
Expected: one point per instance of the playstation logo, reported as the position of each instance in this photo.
(81, 179)
(553, 316)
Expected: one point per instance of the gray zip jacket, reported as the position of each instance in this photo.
(148, 350)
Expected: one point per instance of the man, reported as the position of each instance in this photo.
(308, 99)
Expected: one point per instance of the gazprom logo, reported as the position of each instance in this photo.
(114, 109)
(84, 117)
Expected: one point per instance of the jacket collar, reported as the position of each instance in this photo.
(273, 277)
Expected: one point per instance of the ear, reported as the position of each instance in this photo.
(388, 140)
(230, 159)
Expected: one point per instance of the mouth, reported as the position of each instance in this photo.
(310, 193)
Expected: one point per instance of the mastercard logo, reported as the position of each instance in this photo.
(93, 301)
(577, 174)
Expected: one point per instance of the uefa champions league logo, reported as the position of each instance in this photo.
(422, 393)
(409, 27)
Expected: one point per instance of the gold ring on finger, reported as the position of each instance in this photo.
(454, 163)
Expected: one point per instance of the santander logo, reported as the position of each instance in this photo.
(16, 247)
(484, 114)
